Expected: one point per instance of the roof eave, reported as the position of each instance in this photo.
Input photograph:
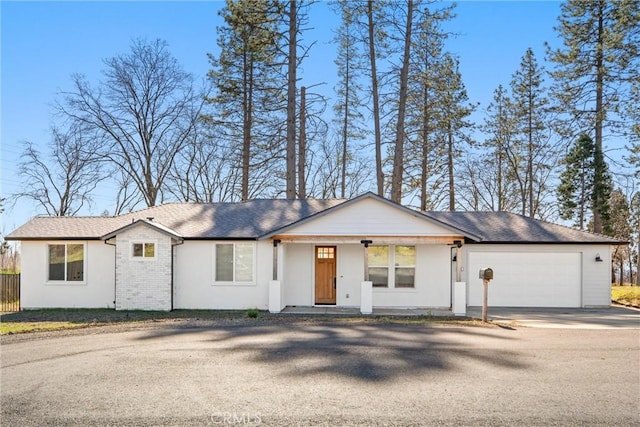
(547, 242)
(24, 239)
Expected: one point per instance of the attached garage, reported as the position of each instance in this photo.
(535, 263)
(528, 279)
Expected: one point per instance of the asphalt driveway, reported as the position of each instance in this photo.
(615, 317)
(321, 373)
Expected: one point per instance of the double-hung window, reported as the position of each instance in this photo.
(405, 266)
(66, 262)
(392, 266)
(234, 262)
(379, 266)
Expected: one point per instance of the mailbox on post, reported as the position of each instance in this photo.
(486, 274)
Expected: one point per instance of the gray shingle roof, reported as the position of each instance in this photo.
(505, 227)
(257, 218)
(246, 220)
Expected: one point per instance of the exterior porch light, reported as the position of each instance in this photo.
(458, 243)
(598, 258)
(366, 243)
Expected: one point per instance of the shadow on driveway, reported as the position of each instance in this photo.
(368, 352)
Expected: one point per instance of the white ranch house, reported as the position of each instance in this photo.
(366, 252)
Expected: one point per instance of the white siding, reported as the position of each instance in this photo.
(350, 275)
(143, 283)
(195, 288)
(369, 217)
(297, 281)
(539, 275)
(96, 292)
(596, 276)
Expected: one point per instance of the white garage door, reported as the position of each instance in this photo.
(527, 279)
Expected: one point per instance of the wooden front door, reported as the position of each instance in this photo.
(326, 274)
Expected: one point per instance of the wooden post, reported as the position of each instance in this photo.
(366, 263)
(275, 259)
(366, 244)
(485, 299)
(458, 264)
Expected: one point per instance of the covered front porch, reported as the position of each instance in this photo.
(409, 275)
(368, 253)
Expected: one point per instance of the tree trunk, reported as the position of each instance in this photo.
(424, 170)
(530, 153)
(246, 127)
(376, 100)
(345, 134)
(302, 149)
(597, 218)
(452, 194)
(291, 102)
(398, 159)
(424, 173)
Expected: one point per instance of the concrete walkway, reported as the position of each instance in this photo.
(347, 311)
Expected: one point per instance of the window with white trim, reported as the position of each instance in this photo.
(234, 262)
(392, 266)
(66, 262)
(379, 266)
(143, 250)
(405, 266)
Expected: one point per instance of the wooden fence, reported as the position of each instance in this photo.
(9, 292)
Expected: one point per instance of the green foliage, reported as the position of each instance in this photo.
(252, 313)
(601, 191)
(598, 59)
(577, 182)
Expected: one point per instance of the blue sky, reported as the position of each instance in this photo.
(43, 43)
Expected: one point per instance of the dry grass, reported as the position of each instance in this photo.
(627, 295)
(7, 328)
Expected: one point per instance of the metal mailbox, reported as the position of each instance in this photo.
(486, 274)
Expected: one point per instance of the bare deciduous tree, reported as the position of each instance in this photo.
(145, 110)
(62, 181)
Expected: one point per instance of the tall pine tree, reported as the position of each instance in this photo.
(585, 183)
(595, 65)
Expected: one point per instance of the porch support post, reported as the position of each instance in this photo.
(459, 305)
(366, 287)
(366, 244)
(458, 244)
(275, 287)
(460, 299)
(275, 259)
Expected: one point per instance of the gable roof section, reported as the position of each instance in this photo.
(505, 227)
(243, 220)
(375, 230)
(144, 222)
